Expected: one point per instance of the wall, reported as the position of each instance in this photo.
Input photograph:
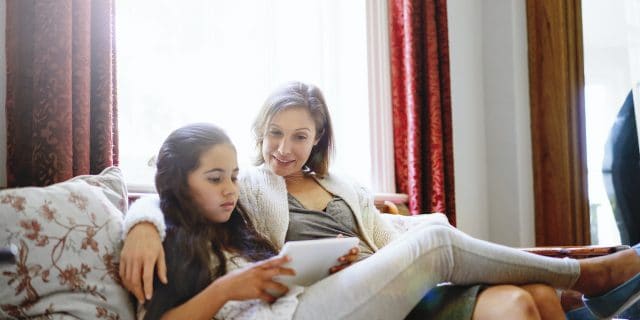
(467, 97)
(492, 140)
(3, 91)
(509, 135)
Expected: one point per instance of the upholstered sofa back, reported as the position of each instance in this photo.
(68, 240)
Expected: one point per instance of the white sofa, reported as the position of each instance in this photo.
(68, 237)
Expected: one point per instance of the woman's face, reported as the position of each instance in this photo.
(288, 141)
(213, 184)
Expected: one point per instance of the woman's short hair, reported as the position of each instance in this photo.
(299, 95)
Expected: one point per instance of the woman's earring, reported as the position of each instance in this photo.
(307, 170)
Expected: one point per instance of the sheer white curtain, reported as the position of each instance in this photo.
(216, 61)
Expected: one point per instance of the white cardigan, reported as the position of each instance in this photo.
(263, 195)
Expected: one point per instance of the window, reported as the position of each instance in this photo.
(611, 33)
(216, 61)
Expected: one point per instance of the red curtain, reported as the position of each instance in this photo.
(422, 105)
(61, 94)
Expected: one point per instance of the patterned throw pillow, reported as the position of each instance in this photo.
(68, 237)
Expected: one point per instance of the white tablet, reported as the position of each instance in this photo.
(312, 259)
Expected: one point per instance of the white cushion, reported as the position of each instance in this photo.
(403, 223)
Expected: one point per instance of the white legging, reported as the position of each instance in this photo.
(388, 284)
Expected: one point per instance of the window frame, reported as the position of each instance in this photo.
(556, 77)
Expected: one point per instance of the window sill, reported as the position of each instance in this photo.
(396, 198)
(379, 198)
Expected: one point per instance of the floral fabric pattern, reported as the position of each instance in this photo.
(61, 105)
(68, 239)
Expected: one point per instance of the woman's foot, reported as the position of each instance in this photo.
(623, 295)
(602, 274)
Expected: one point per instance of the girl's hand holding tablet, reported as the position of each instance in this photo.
(255, 280)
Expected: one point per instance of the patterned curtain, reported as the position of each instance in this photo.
(422, 105)
(61, 94)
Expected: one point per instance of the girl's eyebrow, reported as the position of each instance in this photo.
(236, 170)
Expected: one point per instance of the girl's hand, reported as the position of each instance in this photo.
(255, 281)
(141, 254)
(346, 260)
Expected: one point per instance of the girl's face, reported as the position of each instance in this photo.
(213, 184)
(288, 141)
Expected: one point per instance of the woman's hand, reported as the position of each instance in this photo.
(346, 260)
(255, 281)
(141, 253)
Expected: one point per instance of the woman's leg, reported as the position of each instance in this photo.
(547, 301)
(601, 274)
(506, 302)
(388, 284)
(447, 302)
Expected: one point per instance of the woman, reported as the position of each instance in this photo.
(286, 197)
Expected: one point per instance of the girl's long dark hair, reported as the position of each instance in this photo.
(192, 240)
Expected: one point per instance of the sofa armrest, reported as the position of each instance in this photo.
(404, 223)
(576, 252)
(387, 206)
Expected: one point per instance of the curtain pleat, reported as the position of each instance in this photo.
(421, 104)
(61, 102)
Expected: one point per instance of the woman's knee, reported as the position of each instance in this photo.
(545, 296)
(439, 219)
(506, 302)
(440, 231)
(541, 292)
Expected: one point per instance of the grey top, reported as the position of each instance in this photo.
(337, 218)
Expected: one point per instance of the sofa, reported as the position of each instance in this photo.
(67, 238)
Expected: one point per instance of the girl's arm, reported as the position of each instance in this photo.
(250, 282)
(145, 209)
(142, 252)
(202, 306)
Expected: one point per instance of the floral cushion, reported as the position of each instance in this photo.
(68, 237)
